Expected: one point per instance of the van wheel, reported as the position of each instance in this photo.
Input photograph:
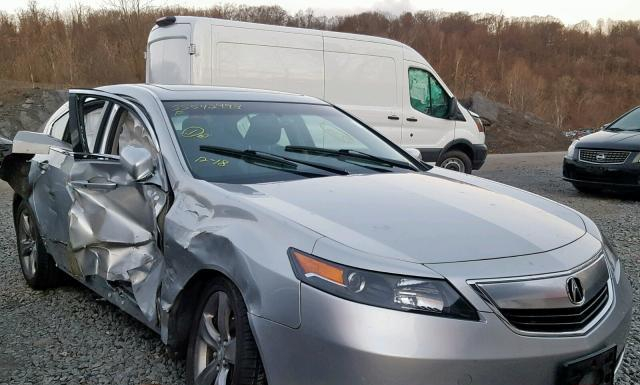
(457, 161)
(222, 350)
(38, 268)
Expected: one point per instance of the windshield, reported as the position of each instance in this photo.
(628, 122)
(253, 142)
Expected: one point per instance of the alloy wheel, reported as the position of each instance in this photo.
(215, 347)
(27, 250)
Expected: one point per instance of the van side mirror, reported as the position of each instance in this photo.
(27, 142)
(137, 161)
(453, 112)
(414, 152)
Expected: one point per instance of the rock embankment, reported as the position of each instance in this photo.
(26, 108)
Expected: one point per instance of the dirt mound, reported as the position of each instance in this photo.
(23, 107)
(513, 131)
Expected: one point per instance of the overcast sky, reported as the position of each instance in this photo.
(569, 11)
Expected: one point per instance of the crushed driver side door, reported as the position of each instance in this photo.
(114, 220)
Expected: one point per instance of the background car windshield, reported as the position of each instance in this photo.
(280, 129)
(629, 122)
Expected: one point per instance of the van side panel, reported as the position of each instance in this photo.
(273, 60)
(168, 57)
(362, 77)
(201, 59)
(360, 80)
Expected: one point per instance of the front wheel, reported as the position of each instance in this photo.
(457, 161)
(222, 350)
(38, 268)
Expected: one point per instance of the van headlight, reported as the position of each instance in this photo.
(410, 294)
(572, 149)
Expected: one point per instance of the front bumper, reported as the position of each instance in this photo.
(618, 176)
(479, 155)
(342, 342)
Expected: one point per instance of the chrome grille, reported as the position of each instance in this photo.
(547, 303)
(558, 320)
(603, 156)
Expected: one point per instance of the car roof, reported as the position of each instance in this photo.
(193, 92)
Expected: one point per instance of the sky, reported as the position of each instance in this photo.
(568, 11)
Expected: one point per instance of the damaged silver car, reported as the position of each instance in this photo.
(274, 238)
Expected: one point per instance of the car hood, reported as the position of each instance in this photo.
(618, 140)
(423, 217)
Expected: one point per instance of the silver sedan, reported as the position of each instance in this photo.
(274, 238)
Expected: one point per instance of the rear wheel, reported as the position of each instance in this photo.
(222, 350)
(38, 268)
(457, 161)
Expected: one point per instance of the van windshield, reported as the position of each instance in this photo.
(254, 142)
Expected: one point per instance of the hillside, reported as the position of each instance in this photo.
(572, 76)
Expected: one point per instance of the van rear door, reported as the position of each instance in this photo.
(169, 55)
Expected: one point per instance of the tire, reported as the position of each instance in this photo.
(38, 267)
(232, 351)
(457, 161)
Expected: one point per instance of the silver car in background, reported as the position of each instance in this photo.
(274, 238)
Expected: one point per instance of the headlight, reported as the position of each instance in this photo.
(612, 257)
(572, 149)
(479, 123)
(637, 159)
(411, 294)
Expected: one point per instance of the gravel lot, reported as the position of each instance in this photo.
(70, 336)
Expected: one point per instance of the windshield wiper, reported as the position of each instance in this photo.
(268, 157)
(350, 153)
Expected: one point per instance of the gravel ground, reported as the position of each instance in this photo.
(70, 336)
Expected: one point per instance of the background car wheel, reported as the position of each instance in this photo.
(457, 161)
(222, 350)
(38, 267)
(585, 188)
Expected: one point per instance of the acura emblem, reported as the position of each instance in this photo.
(575, 291)
(601, 156)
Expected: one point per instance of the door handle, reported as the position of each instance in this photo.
(94, 185)
(393, 117)
(412, 119)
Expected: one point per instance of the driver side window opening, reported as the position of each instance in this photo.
(128, 130)
(427, 95)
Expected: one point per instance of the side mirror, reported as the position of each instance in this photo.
(27, 142)
(453, 112)
(414, 152)
(138, 162)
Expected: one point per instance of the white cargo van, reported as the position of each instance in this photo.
(384, 83)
